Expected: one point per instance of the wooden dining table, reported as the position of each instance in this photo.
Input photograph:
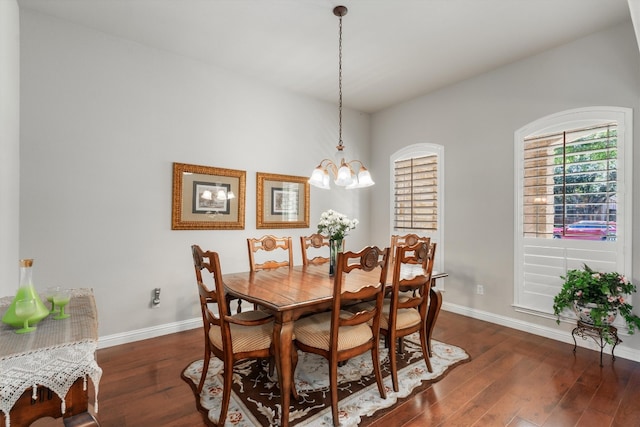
(289, 293)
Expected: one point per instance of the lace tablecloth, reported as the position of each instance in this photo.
(54, 356)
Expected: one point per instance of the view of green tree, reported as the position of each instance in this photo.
(585, 179)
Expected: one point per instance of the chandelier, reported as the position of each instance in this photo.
(344, 172)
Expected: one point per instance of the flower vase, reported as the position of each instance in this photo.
(583, 311)
(26, 291)
(335, 246)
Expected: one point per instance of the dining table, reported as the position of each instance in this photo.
(289, 293)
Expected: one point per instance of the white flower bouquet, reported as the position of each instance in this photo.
(335, 225)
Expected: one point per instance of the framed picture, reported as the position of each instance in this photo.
(282, 201)
(207, 198)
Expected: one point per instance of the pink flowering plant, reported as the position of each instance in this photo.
(605, 292)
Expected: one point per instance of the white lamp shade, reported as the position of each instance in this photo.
(320, 178)
(325, 181)
(344, 177)
(364, 179)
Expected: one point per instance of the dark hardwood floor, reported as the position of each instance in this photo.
(513, 379)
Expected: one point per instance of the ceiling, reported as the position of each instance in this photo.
(393, 50)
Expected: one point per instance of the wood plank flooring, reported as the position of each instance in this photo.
(514, 379)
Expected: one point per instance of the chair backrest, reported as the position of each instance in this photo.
(211, 291)
(315, 241)
(372, 262)
(406, 240)
(411, 278)
(269, 243)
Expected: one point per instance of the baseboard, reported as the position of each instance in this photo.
(146, 333)
(532, 328)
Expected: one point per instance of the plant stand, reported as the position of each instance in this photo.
(599, 336)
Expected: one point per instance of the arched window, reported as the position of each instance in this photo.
(417, 199)
(573, 200)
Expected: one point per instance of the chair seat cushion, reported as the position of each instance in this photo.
(315, 330)
(245, 338)
(406, 316)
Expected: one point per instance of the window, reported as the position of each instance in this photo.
(573, 200)
(570, 183)
(416, 193)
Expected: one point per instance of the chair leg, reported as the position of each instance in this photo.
(294, 364)
(425, 348)
(205, 370)
(272, 365)
(226, 391)
(229, 299)
(393, 364)
(333, 385)
(375, 356)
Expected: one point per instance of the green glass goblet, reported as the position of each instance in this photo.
(61, 299)
(49, 293)
(25, 308)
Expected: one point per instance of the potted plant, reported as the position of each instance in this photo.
(596, 298)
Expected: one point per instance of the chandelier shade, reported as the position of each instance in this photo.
(349, 174)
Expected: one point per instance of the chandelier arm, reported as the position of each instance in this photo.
(332, 167)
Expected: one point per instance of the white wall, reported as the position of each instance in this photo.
(9, 145)
(102, 121)
(475, 120)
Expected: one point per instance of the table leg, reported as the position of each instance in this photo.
(435, 302)
(283, 339)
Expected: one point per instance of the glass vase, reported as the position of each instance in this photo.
(26, 291)
(335, 246)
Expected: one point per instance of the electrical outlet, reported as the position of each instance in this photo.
(479, 289)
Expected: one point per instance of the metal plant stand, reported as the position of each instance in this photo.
(599, 336)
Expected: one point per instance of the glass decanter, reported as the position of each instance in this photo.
(26, 291)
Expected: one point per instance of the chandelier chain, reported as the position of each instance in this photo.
(340, 85)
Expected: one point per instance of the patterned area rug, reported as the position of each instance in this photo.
(255, 400)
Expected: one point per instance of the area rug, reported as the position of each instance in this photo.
(255, 400)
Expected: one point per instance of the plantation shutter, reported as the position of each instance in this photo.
(570, 179)
(416, 193)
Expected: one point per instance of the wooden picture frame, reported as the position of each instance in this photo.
(207, 198)
(282, 201)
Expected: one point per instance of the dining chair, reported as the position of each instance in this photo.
(406, 311)
(338, 335)
(280, 247)
(230, 338)
(405, 240)
(310, 246)
(272, 244)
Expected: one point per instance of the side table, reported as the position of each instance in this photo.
(45, 373)
(599, 335)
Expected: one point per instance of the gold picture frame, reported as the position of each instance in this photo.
(282, 201)
(207, 198)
